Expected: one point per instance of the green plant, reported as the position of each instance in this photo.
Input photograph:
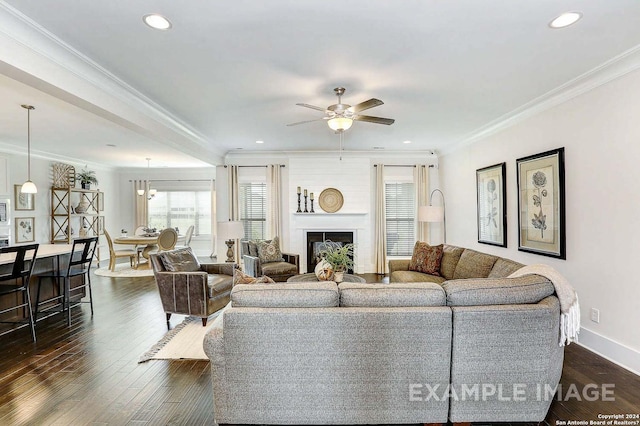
(87, 176)
(340, 256)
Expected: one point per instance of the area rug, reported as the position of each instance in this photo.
(184, 341)
(124, 270)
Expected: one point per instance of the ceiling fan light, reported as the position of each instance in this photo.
(28, 188)
(153, 191)
(140, 191)
(340, 124)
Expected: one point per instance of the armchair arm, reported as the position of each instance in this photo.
(252, 265)
(293, 259)
(398, 265)
(183, 292)
(219, 268)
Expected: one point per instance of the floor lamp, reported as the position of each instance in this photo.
(230, 231)
(433, 213)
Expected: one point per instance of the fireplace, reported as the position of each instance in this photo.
(315, 242)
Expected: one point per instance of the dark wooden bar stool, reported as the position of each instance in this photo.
(79, 265)
(17, 281)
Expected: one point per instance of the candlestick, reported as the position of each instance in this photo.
(305, 201)
(298, 211)
(311, 211)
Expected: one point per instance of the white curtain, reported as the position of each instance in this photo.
(274, 203)
(140, 203)
(234, 203)
(381, 223)
(421, 178)
(214, 231)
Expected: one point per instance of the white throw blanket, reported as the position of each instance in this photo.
(569, 307)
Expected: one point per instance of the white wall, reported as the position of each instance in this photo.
(600, 131)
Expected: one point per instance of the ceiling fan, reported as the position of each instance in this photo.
(340, 116)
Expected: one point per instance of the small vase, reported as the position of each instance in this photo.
(82, 207)
(338, 276)
(85, 185)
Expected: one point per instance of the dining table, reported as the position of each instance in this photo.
(150, 243)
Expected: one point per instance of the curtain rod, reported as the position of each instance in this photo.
(177, 180)
(403, 165)
(225, 166)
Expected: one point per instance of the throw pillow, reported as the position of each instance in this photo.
(240, 277)
(426, 258)
(181, 260)
(253, 248)
(269, 251)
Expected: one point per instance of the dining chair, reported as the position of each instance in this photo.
(167, 239)
(187, 237)
(17, 281)
(115, 254)
(79, 264)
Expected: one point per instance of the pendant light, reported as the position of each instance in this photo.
(28, 187)
(150, 192)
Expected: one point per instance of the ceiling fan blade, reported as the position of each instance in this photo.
(365, 105)
(377, 120)
(305, 121)
(312, 107)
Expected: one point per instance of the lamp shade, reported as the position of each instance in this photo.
(339, 124)
(431, 214)
(230, 230)
(29, 188)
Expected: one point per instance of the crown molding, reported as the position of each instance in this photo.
(36, 52)
(619, 66)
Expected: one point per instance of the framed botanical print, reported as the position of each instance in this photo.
(3, 212)
(25, 231)
(492, 201)
(541, 204)
(23, 201)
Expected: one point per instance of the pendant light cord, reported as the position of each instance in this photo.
(29, 143)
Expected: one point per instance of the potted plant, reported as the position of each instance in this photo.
(86, 178)
(339, 256)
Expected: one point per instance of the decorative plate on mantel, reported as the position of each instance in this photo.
(331, 200)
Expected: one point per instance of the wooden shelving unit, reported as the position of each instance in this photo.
(66, 224)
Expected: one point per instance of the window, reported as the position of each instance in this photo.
(400, 209)
(171, 209)
(253, 210)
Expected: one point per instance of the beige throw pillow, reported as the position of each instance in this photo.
(269, 251)
(181, 260)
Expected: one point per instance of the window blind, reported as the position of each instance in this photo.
(253, 210)
(400, 210)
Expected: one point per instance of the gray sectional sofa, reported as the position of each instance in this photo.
(468, 350)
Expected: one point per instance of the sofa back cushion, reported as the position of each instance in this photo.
(450, 257)
(503, 268)
(473, 264)
(497, 291)
(180, 260)
(289, 295)
(393, 295)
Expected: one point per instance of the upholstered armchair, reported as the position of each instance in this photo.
(278, 271)
(189, 288)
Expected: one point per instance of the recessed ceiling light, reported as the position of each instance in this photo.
(565, 20)
(259, 141)
(406, 142)
(156, 21)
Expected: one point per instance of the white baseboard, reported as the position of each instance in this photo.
(615, 352)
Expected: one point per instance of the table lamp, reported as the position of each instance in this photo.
(230, 231)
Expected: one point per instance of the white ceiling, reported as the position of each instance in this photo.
(230, 73)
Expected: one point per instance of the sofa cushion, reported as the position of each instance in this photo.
(503, 268)
(413, 277)
(180, 260)
(473, 264)
(450, 257)
(426, 258)
(279, 268)
(219, 285)
(497, 291)
(286, 295)
(269, 251)
(391, 295)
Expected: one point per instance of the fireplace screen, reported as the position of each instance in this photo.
(315, 244)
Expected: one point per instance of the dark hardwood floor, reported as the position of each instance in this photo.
(88, 373)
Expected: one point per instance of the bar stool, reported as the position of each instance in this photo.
(20, 275)
(79, 265)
